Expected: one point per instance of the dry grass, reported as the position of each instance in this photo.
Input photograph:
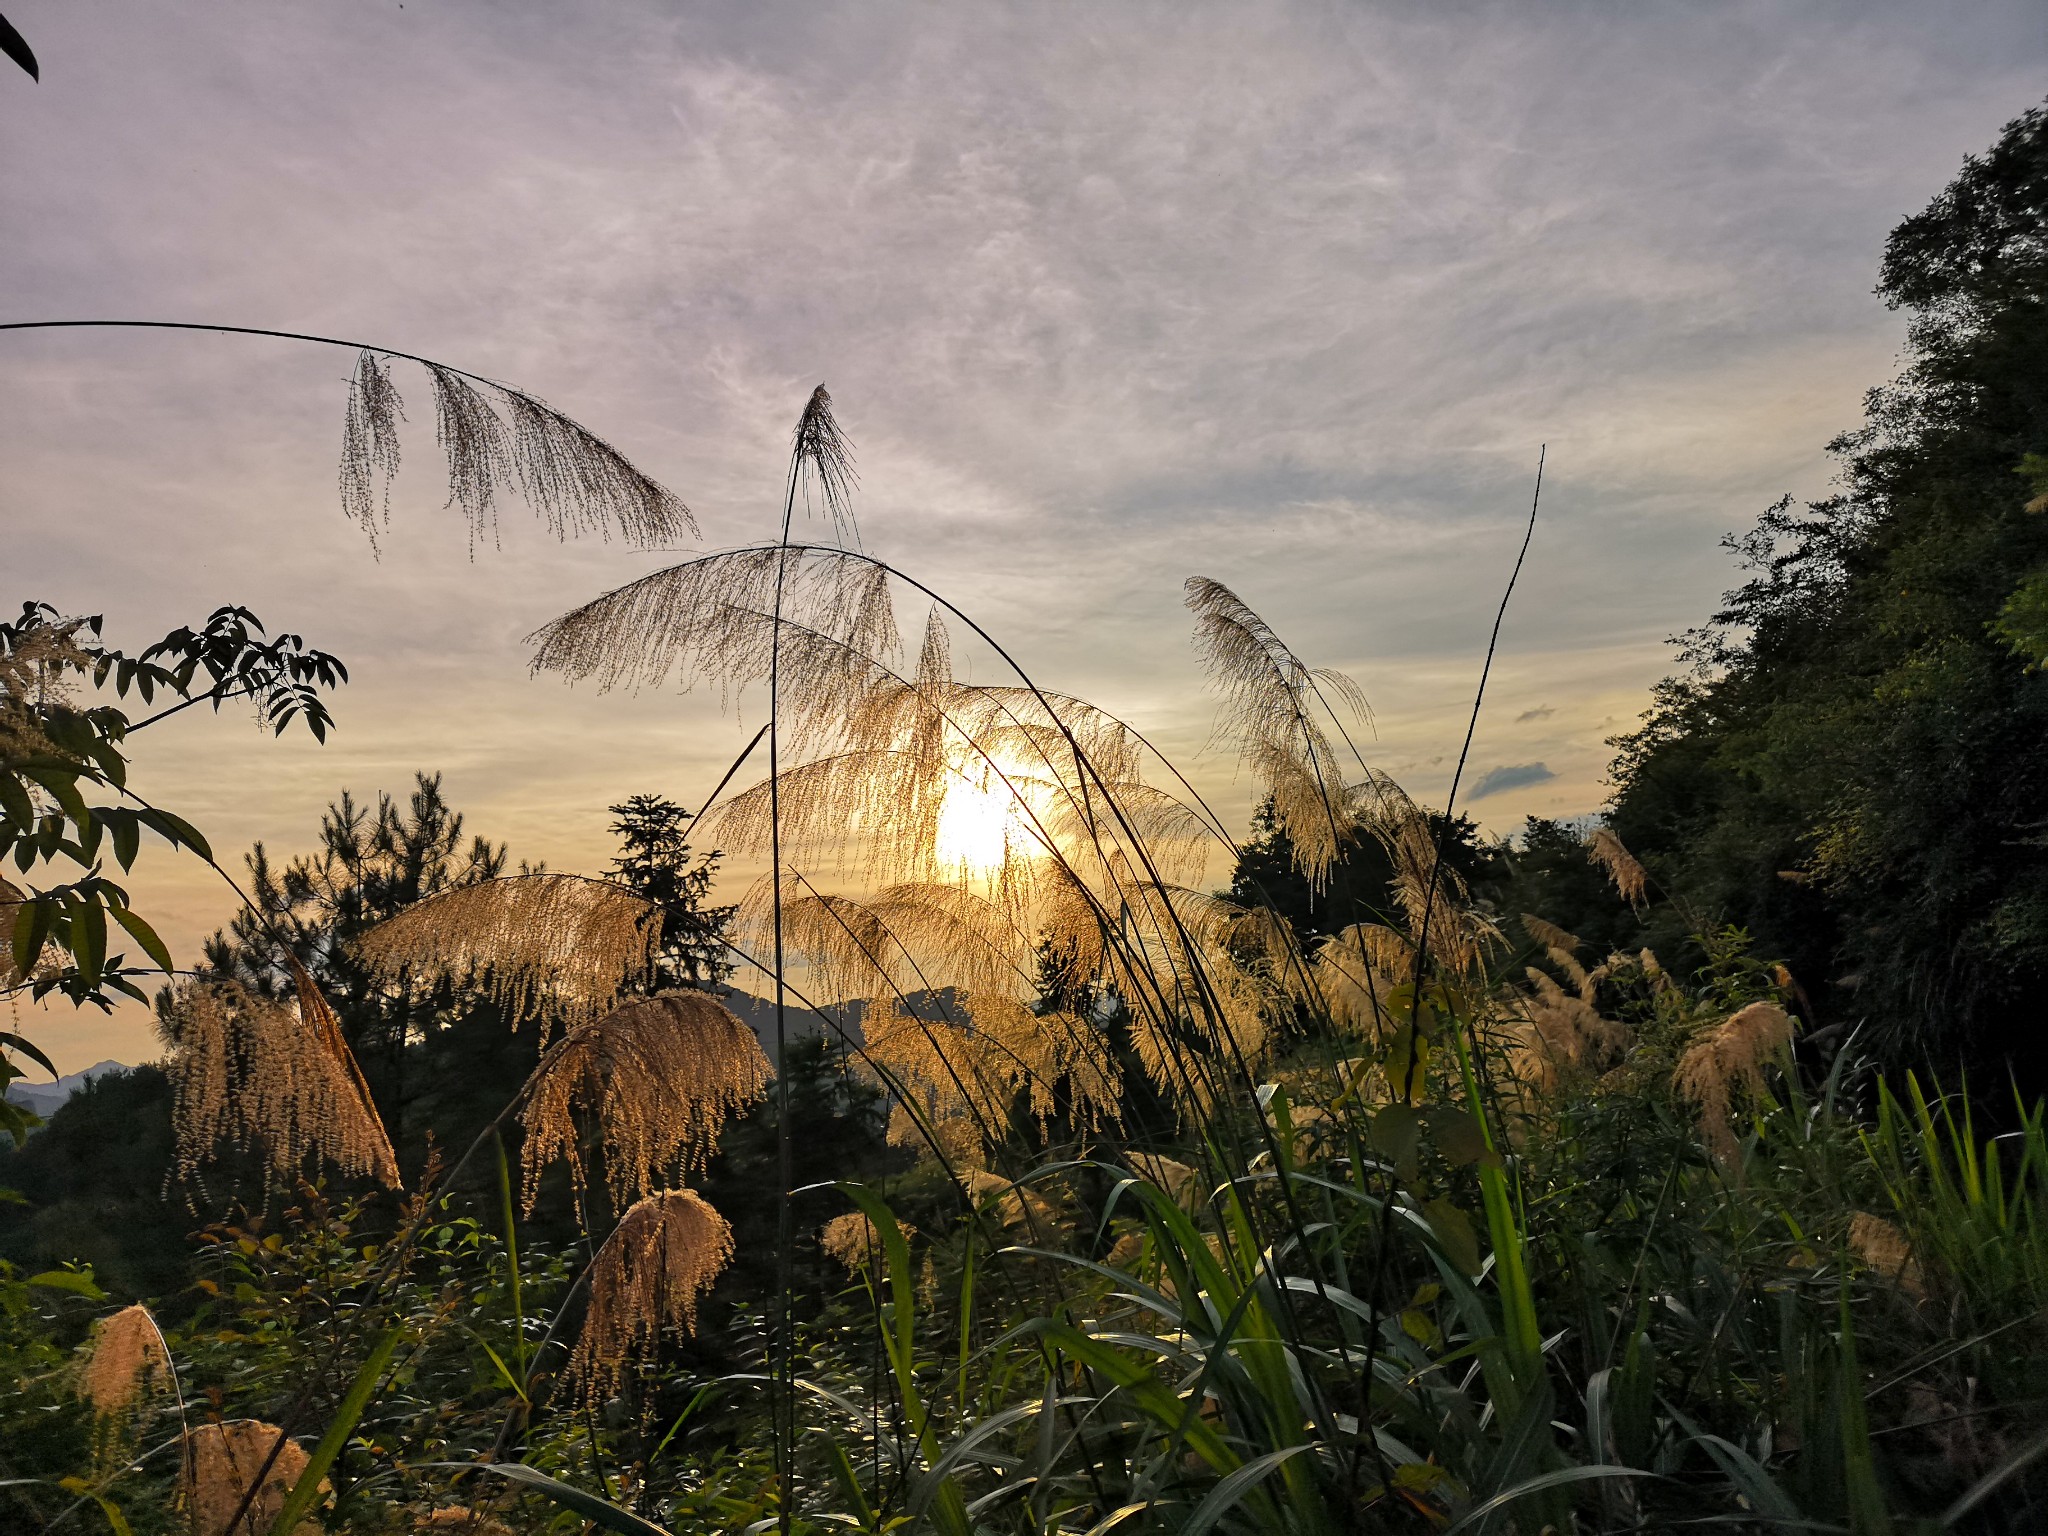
(648, 1276)
(500, 439)
(1563, 1032)
(1728, 1060)
(1885, 1249)
(852, 1241)
(1607, 852)
(456, 1520)
(525, 939)
(661, 1076)
(222, 1460)
(254, 1073)
(1272, 708)
(125, 1359)
(1180, 1183)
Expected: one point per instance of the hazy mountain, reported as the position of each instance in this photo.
(44, 1098)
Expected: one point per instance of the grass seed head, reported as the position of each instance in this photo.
(852, 1241)
(222, 1460)
(1888, 1251)
(1726, 1060)
(1607, 852)
(456, 1520)
(124, 1359)
(648, 1276)
(565, 939)
(661, 1075)
(249, 1071)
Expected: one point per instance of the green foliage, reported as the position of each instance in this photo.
(90, 1186)
(1854, 768)
(52, 753)
(655, 863)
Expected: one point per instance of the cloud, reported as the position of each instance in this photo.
(1512, 776)
(1287, 293)
(1543, 712)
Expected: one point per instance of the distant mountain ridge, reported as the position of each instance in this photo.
(45, 1098)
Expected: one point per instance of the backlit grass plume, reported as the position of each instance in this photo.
(256, 1073)
(648, 1276)
(12, 898)
(1609, 854)
(1273, 708)
(1563, 1031)
(125, 1359)
(1884, 1248)
(223, 1460)
(1726, 1060)
(570, 940)
(851, 1241)
(498, 438)
(660, 1075)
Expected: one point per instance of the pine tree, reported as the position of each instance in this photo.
(656, 862)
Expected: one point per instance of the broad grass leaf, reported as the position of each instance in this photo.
(1228, 1493)
(1454, 1234)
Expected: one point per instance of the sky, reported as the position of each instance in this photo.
(1289, 294)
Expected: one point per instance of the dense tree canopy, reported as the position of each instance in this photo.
(1854, 767)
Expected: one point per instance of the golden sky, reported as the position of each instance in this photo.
(1283, 294)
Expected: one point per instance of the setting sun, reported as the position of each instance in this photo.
(982, 820)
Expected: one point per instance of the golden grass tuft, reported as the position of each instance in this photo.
(125, 1358)
(1884, 1248)
(568, 940)
(249, 1071)
(499, 438)
(1607, 853)
(222, 1460)
(1562, 1031)
(1018, 1207)
(12, 898)
(661, 1074)
(1549, 935)
(648, 1276)
(1271, 704)
(852, 1241)
(1727, 1059)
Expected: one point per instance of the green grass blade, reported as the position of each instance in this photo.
(299, 1502)
(1541, 1483)
(511, 1258)
(601, 1511)
(1230, 1492)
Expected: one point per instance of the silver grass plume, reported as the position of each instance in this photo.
(1561, 1032)
(125, 1358)
(647, 1278)
(711, 620)
(563, 939)
(1607, 852)
(500, 438)
(251, 1072)
(1727, 1060)
(824, 463)
(853, 1242)
(661, 1075)
(222, 1460)
(1269, 700)
(369, 444)
(1549, 935)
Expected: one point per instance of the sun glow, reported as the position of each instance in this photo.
(982, 823)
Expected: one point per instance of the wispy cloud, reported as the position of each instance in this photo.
(1285, 292)
(1541, 712)
(1511, 776)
